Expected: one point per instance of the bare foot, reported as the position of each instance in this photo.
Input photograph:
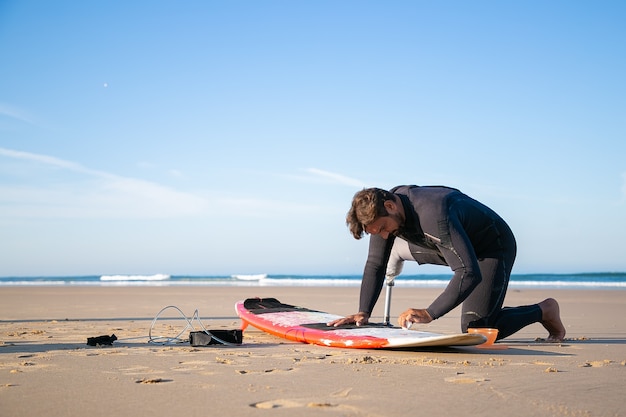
(551, 320)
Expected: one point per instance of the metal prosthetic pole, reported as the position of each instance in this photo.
(399, 253)
(390, 283)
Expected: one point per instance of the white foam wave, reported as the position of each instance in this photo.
(254, 277)
(155, 277)
(312, 282)
(568, 284)
(166, 280)
(433, 283)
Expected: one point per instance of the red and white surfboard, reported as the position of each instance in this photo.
(309, 326)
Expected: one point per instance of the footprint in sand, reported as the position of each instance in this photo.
(136, 370)
(343, 393)
(291, 404)
(466, 379)
(152, 380)
(262, 371)
(596, 364)
(276, 404)
(25, 363)
(192, 365)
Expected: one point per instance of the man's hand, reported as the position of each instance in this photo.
(414, 315)
(359, 319)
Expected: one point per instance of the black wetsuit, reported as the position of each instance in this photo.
(445, 227)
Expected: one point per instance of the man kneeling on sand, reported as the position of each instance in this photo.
(443, 226)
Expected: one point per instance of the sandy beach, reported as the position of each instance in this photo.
(46, 367)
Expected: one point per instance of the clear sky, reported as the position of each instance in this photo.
(224, 137)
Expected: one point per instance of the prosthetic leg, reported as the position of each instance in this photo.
(399, 253)
(389, 284)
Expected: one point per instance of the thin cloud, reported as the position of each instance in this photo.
(336, 178)
(263, 208)
(175, 173)
(95, 194)
(49, 160)
(14, 113)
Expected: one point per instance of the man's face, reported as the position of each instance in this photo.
(385, 226)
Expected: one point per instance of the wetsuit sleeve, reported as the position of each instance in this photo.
(459, 254)
(374, 272)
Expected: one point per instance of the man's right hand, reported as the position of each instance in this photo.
(359, 319)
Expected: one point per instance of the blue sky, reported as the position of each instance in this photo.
(206, 137)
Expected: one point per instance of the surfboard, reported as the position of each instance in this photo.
(304, 325)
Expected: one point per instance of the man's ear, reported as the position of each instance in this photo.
(391, 206)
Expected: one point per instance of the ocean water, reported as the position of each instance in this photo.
(599, 280)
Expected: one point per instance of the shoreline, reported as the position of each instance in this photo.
(544, 281)
(46, 366)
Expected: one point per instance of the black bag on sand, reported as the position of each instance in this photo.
(105, 340)
(216, 337)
